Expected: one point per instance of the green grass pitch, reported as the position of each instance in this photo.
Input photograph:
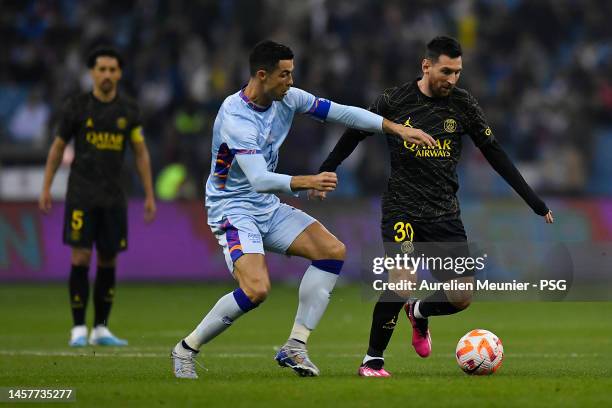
(557, 354)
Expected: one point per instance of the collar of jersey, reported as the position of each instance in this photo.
(252, 104)
(92, 96)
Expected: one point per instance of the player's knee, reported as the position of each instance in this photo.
(335, 249)
(81, 257)
(258, 294)
(257, 291)
(106, 260)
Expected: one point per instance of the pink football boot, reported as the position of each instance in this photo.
(365, 371)
(421, 339)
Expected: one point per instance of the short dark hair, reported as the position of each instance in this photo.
(103, 52)
(266, 54)
(443, 45)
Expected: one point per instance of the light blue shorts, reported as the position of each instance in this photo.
(248, 234)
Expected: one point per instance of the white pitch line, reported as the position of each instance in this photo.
(39, 353)
(77, 354)
(134, 354)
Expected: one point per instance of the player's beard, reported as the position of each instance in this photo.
(281, 94)
(107, 86)
(441, 91)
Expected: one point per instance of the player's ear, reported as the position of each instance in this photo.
(425, 65)
(261, 74)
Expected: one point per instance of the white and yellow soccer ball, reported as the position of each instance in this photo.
(479, 352)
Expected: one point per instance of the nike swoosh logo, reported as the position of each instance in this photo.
(475, 368)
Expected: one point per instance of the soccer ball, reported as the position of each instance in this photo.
(479, 352)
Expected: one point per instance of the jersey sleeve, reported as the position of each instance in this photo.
(68, 125)
(136, 134)
(500, 161)
(300, 100)
(477, 126)
(306, 103)
(255, 169)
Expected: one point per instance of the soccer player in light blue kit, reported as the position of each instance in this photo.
(247, 218)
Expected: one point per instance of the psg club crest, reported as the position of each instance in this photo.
(450, 125)
(121, 123)
(407, 247)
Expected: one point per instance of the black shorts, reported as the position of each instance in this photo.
(443, 239)
(107, 227)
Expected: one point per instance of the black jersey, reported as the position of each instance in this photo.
(100, 131)
(423, 182)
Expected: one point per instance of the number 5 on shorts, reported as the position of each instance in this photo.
(403, 230)
(77, 220)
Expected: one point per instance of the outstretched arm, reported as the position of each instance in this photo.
(500, 161)
(485, 140)
(361, 119)
(356, 118)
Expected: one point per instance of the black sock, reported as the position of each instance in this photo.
(437, 304)
(384, 319)
(104, 292)
(78, 287)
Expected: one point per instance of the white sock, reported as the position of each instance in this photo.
(300, 332)
(315, 290)
(221, 316)
(415, 310)
(369, 358)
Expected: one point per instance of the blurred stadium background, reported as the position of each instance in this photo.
(542, 71)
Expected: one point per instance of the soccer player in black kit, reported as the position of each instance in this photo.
(420, 204)
(101, 123)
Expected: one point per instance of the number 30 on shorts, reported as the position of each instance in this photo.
(403, 230)
(77, 220)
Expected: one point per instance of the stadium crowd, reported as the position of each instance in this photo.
(542, 71)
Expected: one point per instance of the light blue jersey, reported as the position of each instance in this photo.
(241, 127)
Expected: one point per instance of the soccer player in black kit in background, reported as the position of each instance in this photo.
(420, 204)
(101, 123)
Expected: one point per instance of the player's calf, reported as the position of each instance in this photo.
(447, 302)
(460, 299)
